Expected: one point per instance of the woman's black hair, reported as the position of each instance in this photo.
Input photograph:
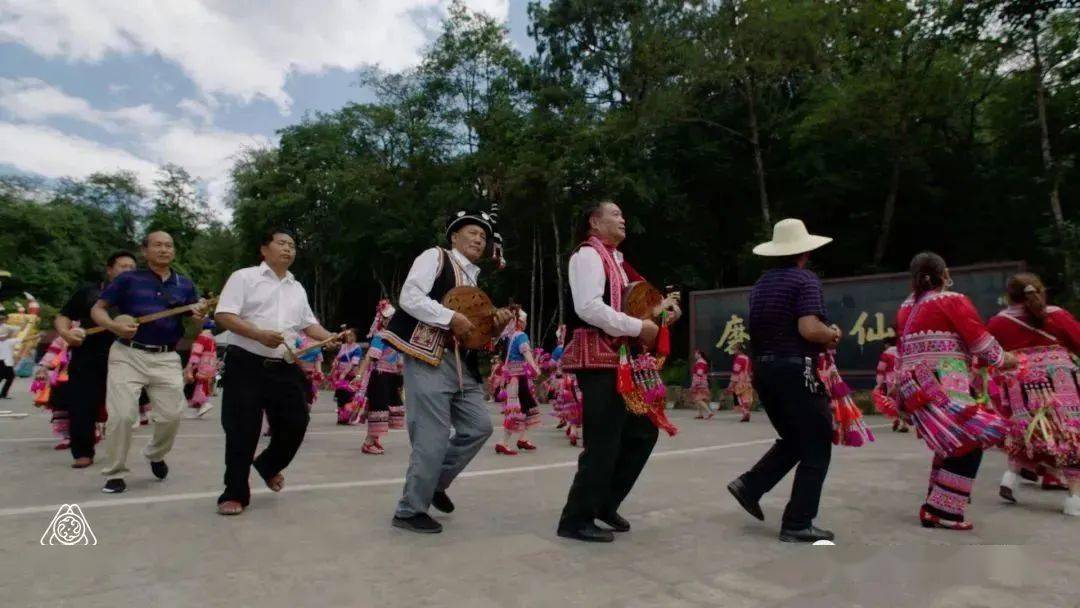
(119, 254)
(927, 273)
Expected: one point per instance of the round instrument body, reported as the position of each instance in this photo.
(126, 320)
(477, 307)
(642, 301)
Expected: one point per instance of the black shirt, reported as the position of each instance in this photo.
(78, 309)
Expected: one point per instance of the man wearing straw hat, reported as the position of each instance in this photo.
(788, 329)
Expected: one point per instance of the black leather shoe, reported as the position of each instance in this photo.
(421, 522)
(589, 533)
(738, 490)
(809, 535)
(442, 502)
(114, 486)
(160, 469)
(617, 522)
(1006, 493)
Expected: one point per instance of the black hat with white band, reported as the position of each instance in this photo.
(476, 218)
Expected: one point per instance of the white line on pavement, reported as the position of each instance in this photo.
(144, 500)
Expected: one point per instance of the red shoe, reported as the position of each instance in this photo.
(525, 444)
(372, 449)
(573, 441)
(745, 418)
(63, 445)
(378, 444)
(932, 521)
(1050, 482)
(502, 449)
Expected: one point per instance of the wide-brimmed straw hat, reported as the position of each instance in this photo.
(790, 237)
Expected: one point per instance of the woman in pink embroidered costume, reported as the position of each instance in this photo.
(201, 370)
(1041, 398)
(518, 396)
(700, 395)
(380, 382)
(51, 372)
(940, 332)
(884, 393)
(741, 385)
(342, 373)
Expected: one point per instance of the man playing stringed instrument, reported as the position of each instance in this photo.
(144, 356)
(263, 307)
(441, 395)
(617, 442)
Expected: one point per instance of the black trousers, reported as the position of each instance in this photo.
(7, 375)
(82, 396)
(798, 409)
(617, 446)
(254, 385)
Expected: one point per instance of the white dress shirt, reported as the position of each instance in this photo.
(7, 351)
(587, 283)
(414, 293)
(258, 296)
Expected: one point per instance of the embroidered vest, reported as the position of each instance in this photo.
(420, 340)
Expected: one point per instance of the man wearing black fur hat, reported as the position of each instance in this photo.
(421, 330)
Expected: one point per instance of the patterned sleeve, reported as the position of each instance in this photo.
(882, 368)
(967, 322)
(375, 351)
(1067, 329)
(521, 344)
(197, 349)
(737, 366)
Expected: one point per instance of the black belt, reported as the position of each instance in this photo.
(783, 359)
(150, 348)
(266, 361)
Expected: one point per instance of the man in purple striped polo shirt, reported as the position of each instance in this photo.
(788, 329)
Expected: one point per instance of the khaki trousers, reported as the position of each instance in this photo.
(130, 371)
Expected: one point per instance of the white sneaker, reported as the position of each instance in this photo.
(1072, 505)
(1009, 480)
(191, 413)
(206, 407)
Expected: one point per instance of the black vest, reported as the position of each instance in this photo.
(426, 342)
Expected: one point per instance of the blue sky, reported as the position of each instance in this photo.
(96, 85)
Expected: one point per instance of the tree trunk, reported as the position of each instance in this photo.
(532, 279)
(1053, 177)
(558, 263)
(755, 144)
(889, 212)
(539, 323)
(890, 197)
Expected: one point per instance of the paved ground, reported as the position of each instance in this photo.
(326, 540)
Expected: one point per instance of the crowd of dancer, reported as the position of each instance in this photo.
(965, 386)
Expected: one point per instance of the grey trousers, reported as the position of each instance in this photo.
(435, 403)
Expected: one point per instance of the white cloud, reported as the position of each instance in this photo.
(34, 100)
(49, 152)
(197, 109)
(239, 50)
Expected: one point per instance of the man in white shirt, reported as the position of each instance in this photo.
(263, 308)
(421, 330)
(617, 442)
(7, 355)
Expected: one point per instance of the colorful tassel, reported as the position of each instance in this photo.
(624, 382)
(663, 337)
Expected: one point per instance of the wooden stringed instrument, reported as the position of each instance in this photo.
(477, 307)
(154, 316)
(294, 356)
(642, 300)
